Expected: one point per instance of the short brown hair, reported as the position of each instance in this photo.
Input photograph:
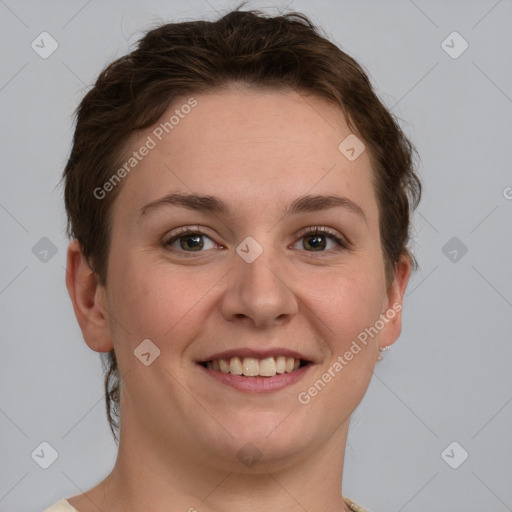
(246, 47)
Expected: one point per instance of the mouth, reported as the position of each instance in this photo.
(256, 367)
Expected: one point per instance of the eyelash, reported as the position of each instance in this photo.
(343, 243)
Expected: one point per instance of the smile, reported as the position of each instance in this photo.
(253, 367)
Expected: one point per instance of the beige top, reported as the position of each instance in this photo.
(64, 506)
(61, 506)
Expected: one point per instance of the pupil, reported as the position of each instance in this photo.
(318, 242)
(198, 243)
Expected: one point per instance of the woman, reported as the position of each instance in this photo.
(239, 206)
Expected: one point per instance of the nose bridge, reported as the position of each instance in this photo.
(259, 287)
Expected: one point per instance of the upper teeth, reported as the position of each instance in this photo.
(252, 367)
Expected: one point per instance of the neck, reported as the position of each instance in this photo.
(146, 476)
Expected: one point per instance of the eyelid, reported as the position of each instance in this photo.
(175, 234)
(183, 231)
(323, 230)
(319, 229)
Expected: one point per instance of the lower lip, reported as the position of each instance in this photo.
(258, 384)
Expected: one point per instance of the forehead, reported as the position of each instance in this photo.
(250, 147)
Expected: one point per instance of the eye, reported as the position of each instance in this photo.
(320, 239)
(190, 240)
(316, 239)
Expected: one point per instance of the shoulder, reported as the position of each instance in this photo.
(61, 506)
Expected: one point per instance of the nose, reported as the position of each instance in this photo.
(259, 293)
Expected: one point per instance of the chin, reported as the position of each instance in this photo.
(263, 442)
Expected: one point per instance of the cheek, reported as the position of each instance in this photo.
(156, 302)
(349, 308)
(349, 303)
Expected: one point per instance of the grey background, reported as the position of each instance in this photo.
(447, 379)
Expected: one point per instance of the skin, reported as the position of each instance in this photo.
(181, 429)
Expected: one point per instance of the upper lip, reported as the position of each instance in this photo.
(256, 353)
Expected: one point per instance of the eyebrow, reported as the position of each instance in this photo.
(212, 204)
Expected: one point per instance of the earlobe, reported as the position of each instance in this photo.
(395, 296)
(89, 300)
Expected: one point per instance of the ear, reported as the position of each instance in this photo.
(89, 300)
(392, 308)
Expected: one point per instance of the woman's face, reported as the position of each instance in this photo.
(251, 281)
